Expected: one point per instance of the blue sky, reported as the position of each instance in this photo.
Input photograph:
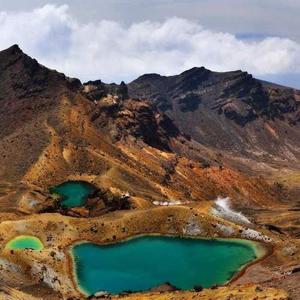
(122, 39)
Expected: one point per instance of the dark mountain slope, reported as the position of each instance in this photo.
(25, 85)
(229, 111)
(54, 129)
(29, 98)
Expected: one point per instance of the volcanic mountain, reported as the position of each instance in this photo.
(159, 151)
(231, 112)
(53, 127)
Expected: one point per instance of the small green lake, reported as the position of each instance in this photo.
(73, 193)
(148, 261)
(25, 242)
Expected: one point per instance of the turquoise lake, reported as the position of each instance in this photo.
(148, 261)
(73, 193)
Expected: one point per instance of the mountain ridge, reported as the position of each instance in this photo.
(234, 106)
(231, 112)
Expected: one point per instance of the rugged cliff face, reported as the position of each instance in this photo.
(229, 111)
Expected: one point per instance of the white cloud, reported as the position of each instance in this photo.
(112, 52)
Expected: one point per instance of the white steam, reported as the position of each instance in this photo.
(223, 210)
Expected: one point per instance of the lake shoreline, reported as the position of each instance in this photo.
(261, 250)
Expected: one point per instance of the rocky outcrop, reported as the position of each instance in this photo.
(96, 90)
(126, 118)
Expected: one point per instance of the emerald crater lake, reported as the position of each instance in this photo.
(73, 193)
(25, 242)
(145, 262)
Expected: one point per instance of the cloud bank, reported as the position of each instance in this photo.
(113, 52)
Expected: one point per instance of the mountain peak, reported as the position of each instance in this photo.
(149, 76)
(195, 70)
(22, 76)
(12, 51)
(11, 55)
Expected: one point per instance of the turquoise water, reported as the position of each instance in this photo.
(73, 193)
(145, 262)
(25, 242)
